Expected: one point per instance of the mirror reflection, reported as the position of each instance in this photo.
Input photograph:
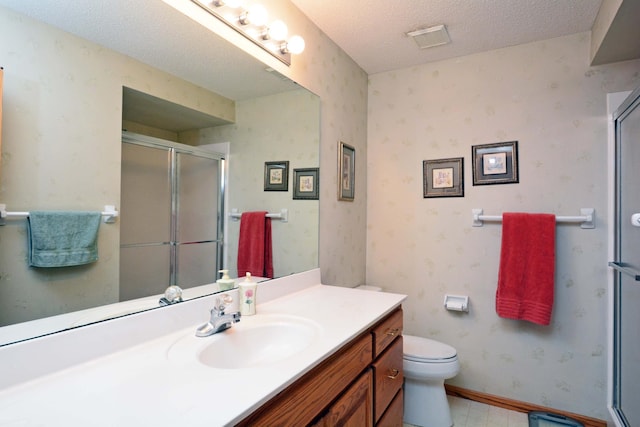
(66, 101)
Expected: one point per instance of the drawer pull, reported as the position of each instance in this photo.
(393, 332)
(393, 374)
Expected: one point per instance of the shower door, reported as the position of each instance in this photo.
(171, 216)
(626, 295)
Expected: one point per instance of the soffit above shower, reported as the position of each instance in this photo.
(145, 109)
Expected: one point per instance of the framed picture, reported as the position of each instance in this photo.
(306, 184)
(346, 171)
(443, 177)
(276, 176)
(495, 163)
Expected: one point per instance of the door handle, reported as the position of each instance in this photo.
(626, 270)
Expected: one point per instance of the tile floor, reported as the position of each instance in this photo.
(467, 413)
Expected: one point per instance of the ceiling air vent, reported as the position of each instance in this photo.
(430, 37)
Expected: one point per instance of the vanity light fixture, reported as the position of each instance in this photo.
(253, 23)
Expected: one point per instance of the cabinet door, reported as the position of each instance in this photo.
(354, 408)
(393, 416)
(388, 377)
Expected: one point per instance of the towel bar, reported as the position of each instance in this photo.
(283, 215)
(586, 219)
(109, 214)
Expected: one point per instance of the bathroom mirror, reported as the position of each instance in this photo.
(65, 71)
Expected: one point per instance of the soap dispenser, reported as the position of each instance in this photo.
(225, 282)
(248, 296)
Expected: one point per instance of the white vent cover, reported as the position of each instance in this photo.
(430, 37)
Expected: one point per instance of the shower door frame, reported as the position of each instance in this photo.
(619, 270)
(174, 149)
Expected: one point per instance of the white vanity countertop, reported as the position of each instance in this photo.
(141, 385)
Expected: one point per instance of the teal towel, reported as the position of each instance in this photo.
(63, 239)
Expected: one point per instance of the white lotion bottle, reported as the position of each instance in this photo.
(247, 291)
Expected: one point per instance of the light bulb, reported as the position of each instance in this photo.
(278, 30)
(234, 4)
(295, 45)
(257, 15)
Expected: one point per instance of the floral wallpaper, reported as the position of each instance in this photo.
(264, 133)
(547, 97)
(544, 95)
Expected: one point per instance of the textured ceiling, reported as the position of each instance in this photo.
(157, 34)
(372, 32)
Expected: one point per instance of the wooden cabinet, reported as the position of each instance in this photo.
(393, 415)
(300, 403)
(354, 408)
(359, 386)
(388, 377)
(385, 332)
(387, 370)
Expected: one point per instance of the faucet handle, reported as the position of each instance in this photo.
(222, 302)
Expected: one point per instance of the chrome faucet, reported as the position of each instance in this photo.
(219, 319)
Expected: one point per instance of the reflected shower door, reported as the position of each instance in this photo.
(198, 233)
(171, 217)
(145, 221)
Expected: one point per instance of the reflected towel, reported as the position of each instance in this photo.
(254, 245)
(527, 267)
(63, 239)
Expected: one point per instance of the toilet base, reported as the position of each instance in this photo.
(426, 404)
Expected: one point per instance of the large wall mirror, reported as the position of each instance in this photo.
(75, 75)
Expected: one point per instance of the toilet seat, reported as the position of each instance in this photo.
(425, 350)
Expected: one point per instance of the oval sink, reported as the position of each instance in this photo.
(255, 341)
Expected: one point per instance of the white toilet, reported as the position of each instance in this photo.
(426, 363)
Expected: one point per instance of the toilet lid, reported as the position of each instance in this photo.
(418, 348)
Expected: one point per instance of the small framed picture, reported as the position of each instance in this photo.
(443, 177)
(346, 172)
(276, 176)
(495, 163)
(306, 184)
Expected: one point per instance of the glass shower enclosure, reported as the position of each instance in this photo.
(171, 216)
(625, 399)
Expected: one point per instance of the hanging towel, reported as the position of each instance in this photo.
(63, 239)
(254, 246)
(527, 267)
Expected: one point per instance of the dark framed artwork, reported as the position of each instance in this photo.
(276, 176)
(495, 163)
(306, 184)
(346, 172)
(443, 177)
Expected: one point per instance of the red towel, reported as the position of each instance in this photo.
(527, 267)
(254, 245)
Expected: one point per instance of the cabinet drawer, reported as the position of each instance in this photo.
(386, 332)
(393, 416)
(388, 377)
